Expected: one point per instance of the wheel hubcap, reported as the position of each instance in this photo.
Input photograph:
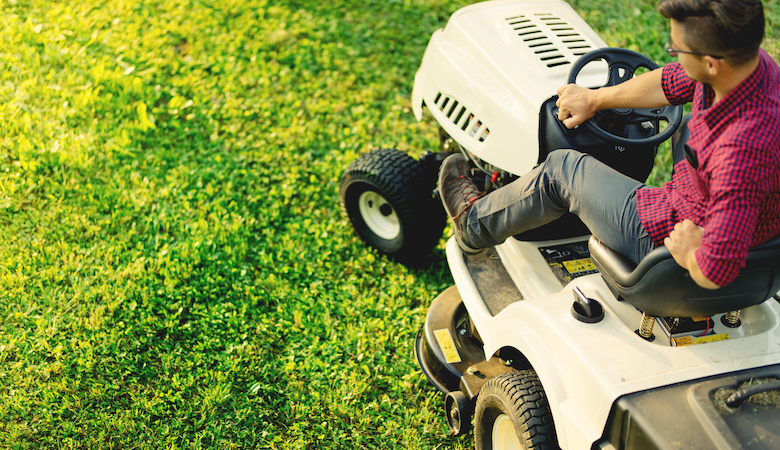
(379, 215)
(504, 434)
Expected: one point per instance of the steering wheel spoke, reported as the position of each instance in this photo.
(619, 73)
(644, 115)
(641, 115)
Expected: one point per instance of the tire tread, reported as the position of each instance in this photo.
(404, 182)
(521, 396)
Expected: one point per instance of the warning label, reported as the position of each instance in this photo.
(447, 345)
(690, 340)
(579, 266)
(569, 261)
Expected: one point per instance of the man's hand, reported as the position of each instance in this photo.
(682, 243)
(575, 105)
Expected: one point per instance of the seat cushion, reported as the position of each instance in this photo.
(660, 287)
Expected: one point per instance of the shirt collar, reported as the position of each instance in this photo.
(745, 90)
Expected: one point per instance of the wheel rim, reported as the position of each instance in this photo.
(379, 215)
(504, 434)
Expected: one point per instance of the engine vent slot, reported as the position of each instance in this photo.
(549, 37)
(461, 117)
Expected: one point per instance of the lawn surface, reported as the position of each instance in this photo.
(175, 271)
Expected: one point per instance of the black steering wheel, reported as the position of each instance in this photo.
(622, 64)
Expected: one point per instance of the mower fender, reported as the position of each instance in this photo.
(531, 346)
(497, 334)
(580, 379)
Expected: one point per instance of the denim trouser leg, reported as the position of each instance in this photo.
(603, 198)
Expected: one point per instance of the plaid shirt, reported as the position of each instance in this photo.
(734, 193)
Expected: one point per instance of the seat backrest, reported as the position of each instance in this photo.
(661, 288)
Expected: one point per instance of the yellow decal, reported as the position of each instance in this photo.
(579, 265)
(688, 340)
(447, 345)
(712, 338)
(684, 340)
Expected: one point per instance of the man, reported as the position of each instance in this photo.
(717, 206)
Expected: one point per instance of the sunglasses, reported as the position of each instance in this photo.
(673, 52)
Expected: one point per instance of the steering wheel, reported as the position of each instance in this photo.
(622, 64)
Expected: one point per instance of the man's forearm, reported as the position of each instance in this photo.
(644, 91)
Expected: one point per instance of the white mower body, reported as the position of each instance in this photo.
(485, 75)
(586, 367)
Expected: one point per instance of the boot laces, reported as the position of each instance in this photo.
(468, 192)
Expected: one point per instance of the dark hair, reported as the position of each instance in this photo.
(733, 29)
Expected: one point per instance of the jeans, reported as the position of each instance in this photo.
(603, 198)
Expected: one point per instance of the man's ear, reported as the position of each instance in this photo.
(713, 65)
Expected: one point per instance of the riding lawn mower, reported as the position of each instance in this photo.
(552, 339)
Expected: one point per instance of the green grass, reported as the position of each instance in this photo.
(767, 398)
(175, 271)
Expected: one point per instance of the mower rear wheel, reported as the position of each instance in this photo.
(513, 413)
(387, 196)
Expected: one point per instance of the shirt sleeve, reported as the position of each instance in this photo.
(677, 85)
(737, 188)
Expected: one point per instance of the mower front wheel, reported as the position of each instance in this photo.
(387, 196)
(513, 413)
(458, 409)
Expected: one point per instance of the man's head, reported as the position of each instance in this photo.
(733, 29)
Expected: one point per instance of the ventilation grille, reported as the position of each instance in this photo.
(458, 114)
(537, 32)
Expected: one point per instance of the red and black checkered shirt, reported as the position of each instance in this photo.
(734, 193)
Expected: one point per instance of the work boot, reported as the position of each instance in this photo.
(458, 192)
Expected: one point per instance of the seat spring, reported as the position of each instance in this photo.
(646, 327)
(733, 317)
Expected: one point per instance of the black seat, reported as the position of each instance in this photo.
(659, 287)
